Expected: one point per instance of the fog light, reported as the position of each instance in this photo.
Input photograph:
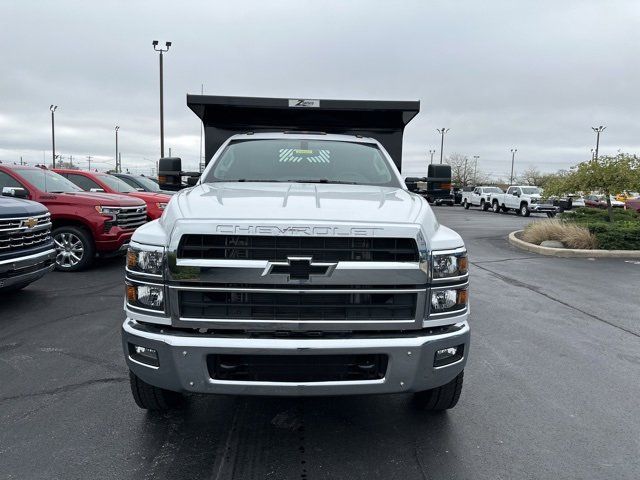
(148, 356)
(446, 356)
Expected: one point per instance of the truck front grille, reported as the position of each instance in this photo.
(16, 233)
(322, 249)
(313, 306)
(131, 217)
(297, 368)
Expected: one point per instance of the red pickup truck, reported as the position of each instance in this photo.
(85, 224)
(103, 182)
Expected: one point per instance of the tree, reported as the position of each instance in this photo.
(461, 169)
(608, 175)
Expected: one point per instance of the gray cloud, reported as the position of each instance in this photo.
(535, 75)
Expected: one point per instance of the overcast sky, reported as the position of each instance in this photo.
(534, 75)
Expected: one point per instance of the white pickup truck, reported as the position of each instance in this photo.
(478, 197)
(524, 199)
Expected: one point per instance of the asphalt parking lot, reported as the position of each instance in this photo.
(551, 388)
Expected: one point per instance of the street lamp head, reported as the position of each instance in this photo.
(168, 44)
(154, 43)
(53, 108)
(117, 128)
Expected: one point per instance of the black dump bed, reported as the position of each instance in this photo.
(226, 116)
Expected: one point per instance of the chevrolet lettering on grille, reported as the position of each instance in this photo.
(299, 268)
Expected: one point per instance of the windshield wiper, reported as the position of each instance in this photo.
(324, 180)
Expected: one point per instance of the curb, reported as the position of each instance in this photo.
(570, 252)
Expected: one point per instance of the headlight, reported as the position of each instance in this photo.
(148, 262)
(161, 205)
(108, 211)
(145, 296)
(449, 264)
(449, 300)
(534, 200)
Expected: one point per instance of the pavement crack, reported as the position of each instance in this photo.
(518, 283)
(65, 388)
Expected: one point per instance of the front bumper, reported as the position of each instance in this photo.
(114, 242)
(183, 361)
(26, 269)
(542, 208)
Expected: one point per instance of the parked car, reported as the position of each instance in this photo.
(85, 224)
(600, 201)
(103, 182)
(626, 195)
(26, 246)
(478, 197)
(523, 199)
(141, 183)
(633, 204)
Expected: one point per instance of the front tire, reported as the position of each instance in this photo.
(496, 207)
(440, 398)
(74, 248)
(484, 205)
(524, 210)
(466, 205)
(153, 398)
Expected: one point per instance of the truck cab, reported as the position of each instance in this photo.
(479, 197)
(299, 264)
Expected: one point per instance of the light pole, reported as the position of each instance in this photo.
(442, 131)
(598, 131)
(117, 162)
(475, 169)
(161, 50)
(53, 135)
(431, 152)
(513, 158)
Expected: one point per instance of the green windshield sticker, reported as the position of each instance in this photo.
(292, 155)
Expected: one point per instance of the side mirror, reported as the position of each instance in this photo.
(17, 192)
(170, 173)
(96, 190)
(139, 189)
(516, 194)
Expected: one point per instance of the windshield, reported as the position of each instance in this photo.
(295, 160)
(116, 184)
(48, 181)
(531, 190)
(148, 183)
(493, 190)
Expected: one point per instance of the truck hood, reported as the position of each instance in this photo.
(95, 198)
(296, 201)
(151, 196)
(17, 207)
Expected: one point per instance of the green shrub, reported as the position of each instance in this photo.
(589, 215)
(622, 235)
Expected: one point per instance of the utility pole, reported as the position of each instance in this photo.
(464, 180)
(117, 162)
(161, 50)
(53, 134)
(71, 161)
(89, 159)
(169, 151)
(442, 131)
(200, 162)
(431, 152)
(598, 131)
(21, 160)
(475, 169)
(513, 157)
(120, 163)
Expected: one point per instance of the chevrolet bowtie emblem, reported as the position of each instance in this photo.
(299, 268)
(30, 222)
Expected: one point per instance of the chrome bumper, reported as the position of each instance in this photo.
(20, 269)
(183, 361)
(542, 208)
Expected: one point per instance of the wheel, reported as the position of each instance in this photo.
(466, 205)
(440, 398)
(484, 205)
(524, 210)
(496, 207)
(153, 398)
(74, 247)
